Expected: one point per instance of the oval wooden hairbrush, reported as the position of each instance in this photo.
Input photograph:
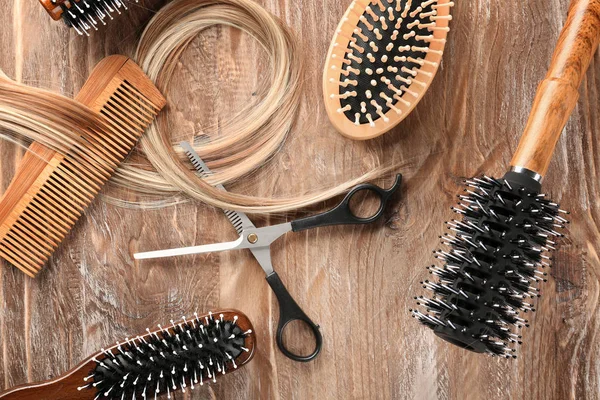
(181, 357)
(381, 61)
(497, 252)
(85, 15)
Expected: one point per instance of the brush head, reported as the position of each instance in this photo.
(496, 255)
(185, 355)
(382, 59)
(85, 15)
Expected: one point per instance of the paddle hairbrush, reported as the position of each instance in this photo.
(50, 190)
(498, 250)
(382, 59)
(85, 15)
(183, 356)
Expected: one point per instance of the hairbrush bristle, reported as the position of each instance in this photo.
(497, 254)
(85, 15)
(382, 59)
(185, 355)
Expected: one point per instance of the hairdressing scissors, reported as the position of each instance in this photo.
(258, 240)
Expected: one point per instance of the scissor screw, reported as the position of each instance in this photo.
(253, 238)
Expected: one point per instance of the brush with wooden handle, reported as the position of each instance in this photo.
(498, 249)
(175, 358)
(86, 15)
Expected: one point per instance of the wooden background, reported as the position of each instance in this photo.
(357, 282)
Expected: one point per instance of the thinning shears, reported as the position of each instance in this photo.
(258, 240)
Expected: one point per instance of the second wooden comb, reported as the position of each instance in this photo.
(50, 190)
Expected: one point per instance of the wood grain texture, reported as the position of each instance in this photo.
(50, 190)
(557, 95)
(357, 282)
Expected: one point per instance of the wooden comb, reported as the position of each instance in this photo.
(50, 190)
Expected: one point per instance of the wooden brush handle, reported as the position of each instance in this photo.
(63, 388)
(558, 93)
(53, 8)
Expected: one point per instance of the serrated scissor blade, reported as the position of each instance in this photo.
(239, 220)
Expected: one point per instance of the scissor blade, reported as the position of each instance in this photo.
(207, 248)
(239, 220)
(197, 162)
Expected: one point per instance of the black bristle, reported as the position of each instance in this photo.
(184, 355)
(384, 56)
(86, 15)
(494, 258)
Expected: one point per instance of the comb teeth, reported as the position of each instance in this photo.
(492, 260)
(383, 57)
(87, 15)
(38, 213)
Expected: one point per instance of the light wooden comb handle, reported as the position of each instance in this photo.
(558, 93)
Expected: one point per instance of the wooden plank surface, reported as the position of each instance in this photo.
(357, 282)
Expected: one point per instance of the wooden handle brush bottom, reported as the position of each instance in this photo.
(181, 357)
(558, 93)
(499, 249)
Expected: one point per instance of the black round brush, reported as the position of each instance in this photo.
(497, 251)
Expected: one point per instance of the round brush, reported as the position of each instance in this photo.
(497, 252)
(382, 59)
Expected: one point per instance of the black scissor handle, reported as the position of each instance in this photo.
(343, 215)
(289, 311)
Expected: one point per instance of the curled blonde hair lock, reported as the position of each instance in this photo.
(251, 137)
